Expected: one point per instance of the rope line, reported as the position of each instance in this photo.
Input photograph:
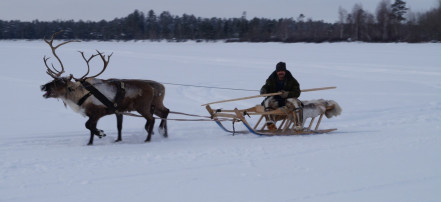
(205, 118)
(185, 114)
(199, 86)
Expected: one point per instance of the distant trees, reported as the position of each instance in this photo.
(391, 22)
(429, 25)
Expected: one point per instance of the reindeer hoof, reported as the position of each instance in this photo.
(118, 140)
(147, 140)
(101, 134)
(163, 132)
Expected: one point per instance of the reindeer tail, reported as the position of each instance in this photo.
(334, 111)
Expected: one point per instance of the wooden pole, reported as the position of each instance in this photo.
(267, 95)
(244, 98)
(316, 89)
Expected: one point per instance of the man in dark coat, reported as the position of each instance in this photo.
(281, 80)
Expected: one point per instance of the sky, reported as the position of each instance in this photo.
(327, 10)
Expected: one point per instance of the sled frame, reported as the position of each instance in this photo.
(286, 122)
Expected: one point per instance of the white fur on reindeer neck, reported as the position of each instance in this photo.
(107, 90)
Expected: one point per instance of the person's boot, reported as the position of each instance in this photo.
(271, 126)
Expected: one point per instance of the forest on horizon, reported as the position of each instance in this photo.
(391, 22)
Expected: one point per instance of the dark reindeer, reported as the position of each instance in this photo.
(96, 98)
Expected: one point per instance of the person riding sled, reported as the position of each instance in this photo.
(281, 80)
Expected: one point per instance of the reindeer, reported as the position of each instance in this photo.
(95, 98)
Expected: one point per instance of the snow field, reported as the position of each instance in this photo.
(387, 147)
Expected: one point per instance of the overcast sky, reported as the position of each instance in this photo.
(48, 10)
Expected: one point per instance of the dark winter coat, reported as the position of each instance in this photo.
(289, 84)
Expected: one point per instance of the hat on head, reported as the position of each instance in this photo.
(281, 66)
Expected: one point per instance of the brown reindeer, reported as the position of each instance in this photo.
(96, 98)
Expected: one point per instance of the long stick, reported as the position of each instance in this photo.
(244, 98)
(268, 94)
(316, 89)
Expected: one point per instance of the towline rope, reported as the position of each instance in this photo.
(205, 118)
(211, 87)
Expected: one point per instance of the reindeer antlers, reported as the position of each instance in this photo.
(54, 73)
(103, 57)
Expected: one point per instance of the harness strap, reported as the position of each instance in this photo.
(120, 93)
(83, 99)
(103, 99)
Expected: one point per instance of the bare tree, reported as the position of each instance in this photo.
(342, 16)
(358, 21)
(383, 18)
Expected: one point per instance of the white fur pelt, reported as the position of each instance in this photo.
(270, 104)
(313, 108)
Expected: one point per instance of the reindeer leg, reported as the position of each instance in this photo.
(146, 113)
(149, 127)
(91, 138)
(91, 125)
(119, 120)
(163, 125)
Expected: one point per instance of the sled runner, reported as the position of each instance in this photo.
(287, 121)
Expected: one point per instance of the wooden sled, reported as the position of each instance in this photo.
(286, 122)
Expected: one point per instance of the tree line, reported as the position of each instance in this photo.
(392, 22)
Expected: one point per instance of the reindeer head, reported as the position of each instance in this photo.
(62, 85)
(56, 88)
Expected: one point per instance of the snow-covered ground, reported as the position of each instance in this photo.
(387, 147)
